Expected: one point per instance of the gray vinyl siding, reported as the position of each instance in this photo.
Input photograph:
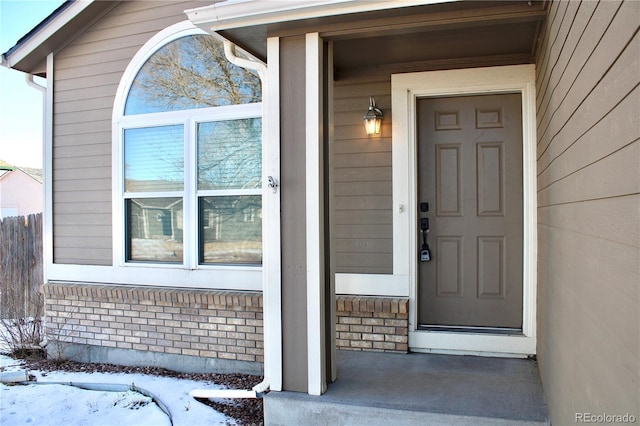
(361, 181)
(588, 165)
(87, 73)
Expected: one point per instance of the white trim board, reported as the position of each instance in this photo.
(405, 89)
(271, 256)
(314, 217)
(378, 285)
(229, 278)
(243, 13)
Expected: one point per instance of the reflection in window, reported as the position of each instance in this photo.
(188, 73)
(230, 154)
(154, 159)
(154, 229)
(226, 236)
(192, 148)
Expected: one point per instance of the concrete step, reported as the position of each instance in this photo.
(418, 389)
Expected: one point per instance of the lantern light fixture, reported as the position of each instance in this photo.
(373, 118)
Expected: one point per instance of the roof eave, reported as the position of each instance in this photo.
(236, 13)
(52, 34)
(43, 32)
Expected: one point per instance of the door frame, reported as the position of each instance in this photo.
(405, 89)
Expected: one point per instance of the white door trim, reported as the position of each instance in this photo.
(405, 89)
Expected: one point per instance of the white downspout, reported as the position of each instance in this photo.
(46, 134)
(230, 53)
(32, 83)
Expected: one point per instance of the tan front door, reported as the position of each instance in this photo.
(470, 173)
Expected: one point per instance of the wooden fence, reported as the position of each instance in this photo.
(21, 273)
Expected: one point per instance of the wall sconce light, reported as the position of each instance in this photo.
(373, 118)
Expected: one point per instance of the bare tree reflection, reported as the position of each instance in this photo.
(191, 72)
(229, 154)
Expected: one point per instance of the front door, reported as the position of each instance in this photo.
(470, 174)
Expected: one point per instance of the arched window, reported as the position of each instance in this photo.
(190, 73)
(189, 139)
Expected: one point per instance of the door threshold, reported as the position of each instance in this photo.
(474, 330)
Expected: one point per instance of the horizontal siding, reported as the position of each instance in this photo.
(382, 174)
(361, 201)
(107, 67)
(88, 221)
(87, 74)
(88, 197)
(588, 130)
(69, 149)
(82, 209)
(588, 147)
(93, 232)
(574, 105)
(71, 105)
(617, 219)
(93, 256)
(613, 176)
(593, 362)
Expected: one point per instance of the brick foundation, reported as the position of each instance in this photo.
(202, 323)
(210, 324)
(372, 324)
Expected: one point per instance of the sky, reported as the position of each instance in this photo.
(54, 404)
(21, 106)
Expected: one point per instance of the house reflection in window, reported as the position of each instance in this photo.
(155, 232)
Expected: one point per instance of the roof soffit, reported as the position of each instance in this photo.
(506, 31)
(52, 34)
(223, 15)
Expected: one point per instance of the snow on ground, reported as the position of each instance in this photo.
(67, 405)
(53, 405)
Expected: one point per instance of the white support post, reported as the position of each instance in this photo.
(271, 260)
(315, 224)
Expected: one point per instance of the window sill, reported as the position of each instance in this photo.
(245, 278)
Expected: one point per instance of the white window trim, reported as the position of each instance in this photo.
(228, 277)
(406, 88)
(189, 119)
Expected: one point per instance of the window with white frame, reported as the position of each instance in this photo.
(190, 144)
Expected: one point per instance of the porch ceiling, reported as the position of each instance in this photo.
(506, 44)
(439, 36)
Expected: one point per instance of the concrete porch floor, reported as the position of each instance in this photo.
(418, 389)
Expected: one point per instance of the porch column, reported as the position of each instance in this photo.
(302, 202)
(316, 304)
